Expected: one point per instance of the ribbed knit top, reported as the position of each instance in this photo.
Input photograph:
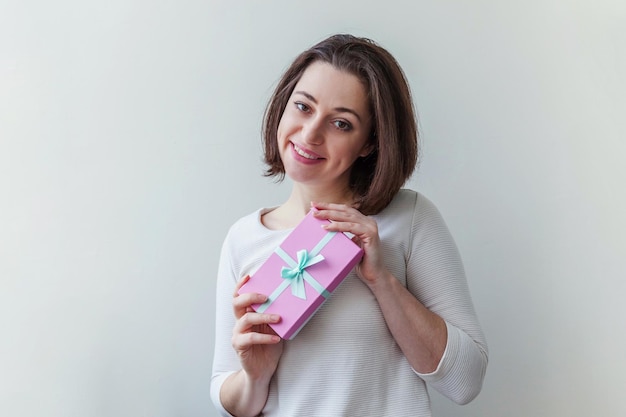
(345, 362)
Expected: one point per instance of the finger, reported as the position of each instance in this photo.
(243, 302)
(244, 341)
(247, 299)
(363, 230)
(320, 205)
(337, 212)
(342, 215)
(365, 236)
(354, 228)
(251, 319)
(332, 207)
(240, 284)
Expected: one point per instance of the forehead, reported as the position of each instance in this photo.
(332, 86)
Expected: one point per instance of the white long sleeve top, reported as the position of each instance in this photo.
(345, 362)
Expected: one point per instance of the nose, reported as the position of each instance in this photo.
(312, 131)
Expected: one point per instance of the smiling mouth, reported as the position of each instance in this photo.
(303, 153)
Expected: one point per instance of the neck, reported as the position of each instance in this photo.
(301, 197)
(298, 205)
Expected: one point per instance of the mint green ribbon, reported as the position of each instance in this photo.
(296, 274)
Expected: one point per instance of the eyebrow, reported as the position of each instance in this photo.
(339, 109)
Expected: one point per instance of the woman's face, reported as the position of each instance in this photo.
(325, 127)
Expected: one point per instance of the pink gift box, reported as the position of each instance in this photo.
(302, 273)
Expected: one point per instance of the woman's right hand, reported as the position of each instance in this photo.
(257, 345)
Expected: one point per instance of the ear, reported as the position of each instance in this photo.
(367, 149)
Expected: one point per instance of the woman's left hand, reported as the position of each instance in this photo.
(365, 230)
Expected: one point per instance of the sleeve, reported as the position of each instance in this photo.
(225, 361)
(435, 275)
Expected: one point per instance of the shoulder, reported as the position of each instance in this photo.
(412, 217)
(248, 233)
(248, 242)
(411, 206)
(246, 223)
(408, 215)
(245, 227)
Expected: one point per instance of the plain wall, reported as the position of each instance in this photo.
(129, 142)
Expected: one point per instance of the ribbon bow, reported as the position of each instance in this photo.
(296, 274)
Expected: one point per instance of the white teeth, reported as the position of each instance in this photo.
(302, 153)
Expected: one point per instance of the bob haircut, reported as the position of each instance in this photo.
(376, 178)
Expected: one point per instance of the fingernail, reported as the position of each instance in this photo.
(274, 318)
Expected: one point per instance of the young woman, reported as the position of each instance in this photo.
(341, 125)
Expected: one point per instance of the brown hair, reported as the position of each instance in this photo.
(376, 178)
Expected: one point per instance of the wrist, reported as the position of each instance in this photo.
(384, 282)
(243, 396)
(256, 381)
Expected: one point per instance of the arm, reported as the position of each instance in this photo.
(436, 276)
(246, 349)
(420, 333)
(244, 392)
(432, 318)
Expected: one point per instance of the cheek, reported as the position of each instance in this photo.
(358, 149)
(280, 134)
(283, 127)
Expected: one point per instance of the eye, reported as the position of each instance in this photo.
(302, 107)
(342, 125)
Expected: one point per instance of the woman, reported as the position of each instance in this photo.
(341, 125)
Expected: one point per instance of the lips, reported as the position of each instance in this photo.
(305, 153)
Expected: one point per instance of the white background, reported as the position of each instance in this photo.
(129, 142)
